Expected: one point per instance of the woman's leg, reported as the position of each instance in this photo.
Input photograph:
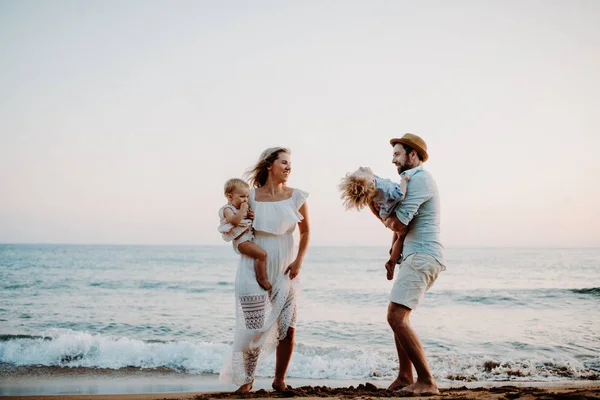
(251, 305)
(245, 388)
(250, 362)
(283, 356)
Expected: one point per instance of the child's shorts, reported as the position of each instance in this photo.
(247, 236)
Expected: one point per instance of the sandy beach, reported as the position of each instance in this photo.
(506, 390)
(29, 383)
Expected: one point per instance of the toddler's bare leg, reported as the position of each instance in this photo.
(254, 251)
(395, 254)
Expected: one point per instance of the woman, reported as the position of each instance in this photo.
(266, 321)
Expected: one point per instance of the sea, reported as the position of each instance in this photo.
(495, 314)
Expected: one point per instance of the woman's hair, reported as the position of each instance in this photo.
(234, 183)
(357, 191)
(259, 174)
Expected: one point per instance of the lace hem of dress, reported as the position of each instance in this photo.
(263, 321)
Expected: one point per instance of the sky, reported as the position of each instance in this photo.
(120, 121)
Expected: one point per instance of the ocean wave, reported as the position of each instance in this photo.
(594, 291)
(67, 348)
(17, 286)
(106, 285)
(473, 369)
(516, 297)
(186, 287)
(5, 338)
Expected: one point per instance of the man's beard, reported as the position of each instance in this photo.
(403, 167)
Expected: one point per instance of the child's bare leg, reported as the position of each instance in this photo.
(254, 251)
(389, 265)
(392, 222)
(394, 238)
(395, 254)
(389, 269)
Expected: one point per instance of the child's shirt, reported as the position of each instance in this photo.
(388, 196)
(228, 231)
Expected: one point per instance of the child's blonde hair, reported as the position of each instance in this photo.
(357, 191)
(235, 183)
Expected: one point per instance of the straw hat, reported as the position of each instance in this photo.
(413, 141)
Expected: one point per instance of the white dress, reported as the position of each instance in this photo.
(262, 320)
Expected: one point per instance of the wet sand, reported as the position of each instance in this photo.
(574, 390)
(29, 383)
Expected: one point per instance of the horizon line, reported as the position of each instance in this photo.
(313, 245)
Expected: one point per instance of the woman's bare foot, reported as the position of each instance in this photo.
(245, 388)
(399, 384)
(279, 385)
(389, 267)
(419, 389)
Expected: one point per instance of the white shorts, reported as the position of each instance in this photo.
(247, 236)
(416, 275)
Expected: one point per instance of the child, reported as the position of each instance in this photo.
(237, 227)
(362, 188)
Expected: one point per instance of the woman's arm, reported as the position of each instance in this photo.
(304, 227)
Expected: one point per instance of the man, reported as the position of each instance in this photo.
(422, 260)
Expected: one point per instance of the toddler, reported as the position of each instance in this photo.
(363, 188)
(236, 226)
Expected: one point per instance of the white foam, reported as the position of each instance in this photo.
(83, 349)
(69, 348)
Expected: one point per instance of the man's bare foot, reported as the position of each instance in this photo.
(279, 385)
(389, 267)
(399, 384)
(419, 389)
(245, 388)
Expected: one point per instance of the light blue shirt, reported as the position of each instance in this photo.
(420, 212)
(387, 197)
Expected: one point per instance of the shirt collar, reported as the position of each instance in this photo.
(412, 171)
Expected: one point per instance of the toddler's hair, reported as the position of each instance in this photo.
(357, 192)
(235, 183)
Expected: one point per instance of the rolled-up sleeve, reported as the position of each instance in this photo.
(417, 193)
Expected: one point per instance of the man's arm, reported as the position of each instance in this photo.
(392, 222)
(405, 211)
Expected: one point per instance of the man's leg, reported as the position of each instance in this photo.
(398, 318)
(405, 373)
